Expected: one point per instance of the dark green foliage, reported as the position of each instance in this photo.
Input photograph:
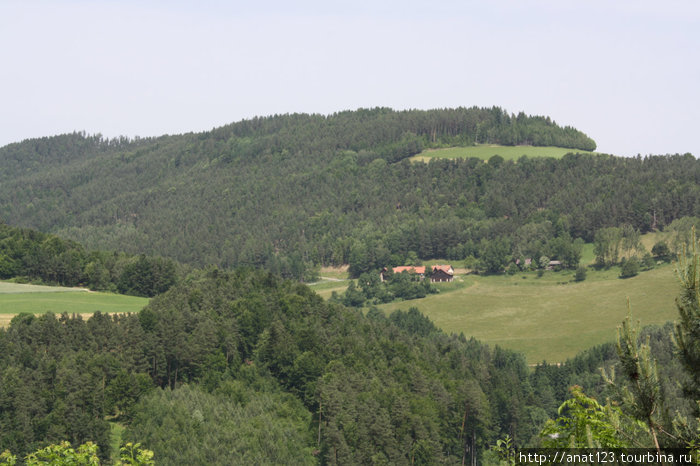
(147, 276)
(34, 256)
(640, 386)
(580, 273)
(647, 262)
(234, 425)
(661, 251)
(372, 290)
(290, 191)
(247, 364)
(413, 322)
(687, 330)
(495, 255)
(629, 268)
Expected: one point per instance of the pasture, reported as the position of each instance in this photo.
(549, 318)
(486, 151)
(18, 298)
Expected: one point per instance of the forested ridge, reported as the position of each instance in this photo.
(283, 192)
(287, 192)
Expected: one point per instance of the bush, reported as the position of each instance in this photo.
(580, 273)
(661, 251)
(629, 268)
(647, 262)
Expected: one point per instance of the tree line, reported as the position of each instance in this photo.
(29, 255)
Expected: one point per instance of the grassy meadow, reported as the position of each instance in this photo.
(549, 318)
(18, 298)
(486, 151)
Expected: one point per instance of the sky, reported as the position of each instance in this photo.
(627, 73)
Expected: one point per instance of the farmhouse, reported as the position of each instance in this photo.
(442, 273)
(439, 273)
(405, 268)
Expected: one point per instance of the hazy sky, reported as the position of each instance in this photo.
(625, 72)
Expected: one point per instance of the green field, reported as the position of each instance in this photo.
(16, 298)
(326, 288)
(486, 151)
(549, 318)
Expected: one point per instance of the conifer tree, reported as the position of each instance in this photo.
(687, 331)
(641, 395)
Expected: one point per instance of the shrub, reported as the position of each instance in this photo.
(629, 268)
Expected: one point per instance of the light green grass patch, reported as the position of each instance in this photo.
(588, 254)
(549, 318)
(340, 273)
(325, 289)
(486, 151)
(78, 302)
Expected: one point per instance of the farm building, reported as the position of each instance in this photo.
(408, 269)
(442, 273)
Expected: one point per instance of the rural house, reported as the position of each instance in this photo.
(442, 273)
(405, 268)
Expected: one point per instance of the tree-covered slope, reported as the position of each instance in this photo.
(288, 191)
(217, 367)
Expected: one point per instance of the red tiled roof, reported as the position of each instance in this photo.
(409, 269)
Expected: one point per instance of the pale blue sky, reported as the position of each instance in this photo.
(625, 72)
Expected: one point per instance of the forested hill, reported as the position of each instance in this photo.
(285, 192)
(250, 365)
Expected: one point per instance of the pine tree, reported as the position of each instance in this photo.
(687, 332)
(641, 395)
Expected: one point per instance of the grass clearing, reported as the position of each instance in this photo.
(548, 318)
(340, 273)
(78, 302)
(34, 299)
(325, 289)
(486, 151)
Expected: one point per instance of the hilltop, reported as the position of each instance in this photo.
(290, 192)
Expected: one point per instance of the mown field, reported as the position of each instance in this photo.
(486, 151)
(549, 318)
(17, 298)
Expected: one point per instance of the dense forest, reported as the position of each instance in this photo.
(267, 351)
(28, 255)
(289, 192)
(244, 367)
(328, 182)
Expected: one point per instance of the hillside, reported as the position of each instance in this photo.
(287, 192)
(551, 318)
(240, 366)
(258, 358)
